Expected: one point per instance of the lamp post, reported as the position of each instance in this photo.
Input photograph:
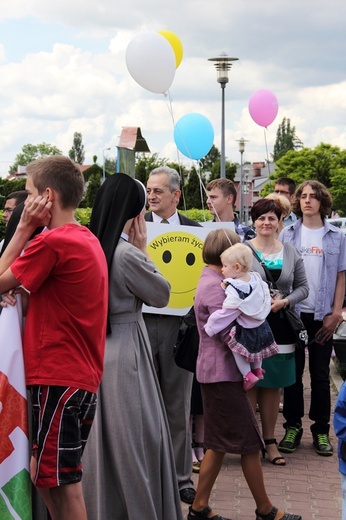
(223, 65)
(246, 193)
(241, 142)
(103, 166)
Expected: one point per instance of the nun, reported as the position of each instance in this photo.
(128, 462)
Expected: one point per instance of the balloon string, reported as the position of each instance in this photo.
(170, 110)
(266, 146)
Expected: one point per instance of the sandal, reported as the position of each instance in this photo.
(277, 461)
(193, 514)
(272, 515)
(196, 466)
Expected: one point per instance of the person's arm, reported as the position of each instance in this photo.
(331, 321)
(8, 281)
(36, 213)
(220, 320)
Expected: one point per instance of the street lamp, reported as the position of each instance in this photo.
(247, 194)
(241, 142)
(223, 65)
(103, 166)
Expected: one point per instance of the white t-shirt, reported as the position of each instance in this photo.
(312, 254)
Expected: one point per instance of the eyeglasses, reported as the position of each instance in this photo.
(281, 192)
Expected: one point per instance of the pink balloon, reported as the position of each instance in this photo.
(263, 107)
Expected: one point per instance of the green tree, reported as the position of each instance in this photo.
(31, 152)
(286, 139)
(193, 191)
(324, 163)
(7, 187)
(212, 157)
(93, 185)
(77, 153)
(145, 163)
(110, 165)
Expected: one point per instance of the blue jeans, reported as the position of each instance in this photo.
(319, 359)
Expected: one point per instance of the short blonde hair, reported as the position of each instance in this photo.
(283, 201)
(239, 253)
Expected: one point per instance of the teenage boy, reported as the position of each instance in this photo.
(323, 249)
(65, 270)
(221, 201)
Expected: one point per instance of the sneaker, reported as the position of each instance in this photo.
(291, 440)
(249, 381)
(322, 445)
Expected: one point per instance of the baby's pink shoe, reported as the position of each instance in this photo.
(259, 372)
(249, 381)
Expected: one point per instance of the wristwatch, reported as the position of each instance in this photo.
(286, 303)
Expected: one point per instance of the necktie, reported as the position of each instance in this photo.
(164, 221)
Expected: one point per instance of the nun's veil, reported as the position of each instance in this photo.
(118, 199)
(12, 226)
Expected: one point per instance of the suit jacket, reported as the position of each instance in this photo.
(184, 221)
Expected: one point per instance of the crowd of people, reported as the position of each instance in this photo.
(106, 394)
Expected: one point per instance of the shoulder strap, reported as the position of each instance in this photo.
(265, 268)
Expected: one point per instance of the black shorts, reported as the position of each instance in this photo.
(62, 418)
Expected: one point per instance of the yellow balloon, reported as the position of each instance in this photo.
(176, 45)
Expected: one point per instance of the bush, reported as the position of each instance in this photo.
(83, 215)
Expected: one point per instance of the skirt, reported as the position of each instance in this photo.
(253, 344)
(280, 371)
(230, 425)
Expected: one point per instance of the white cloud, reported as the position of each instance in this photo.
(74, 77)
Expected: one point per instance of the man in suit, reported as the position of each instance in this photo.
(163, 192)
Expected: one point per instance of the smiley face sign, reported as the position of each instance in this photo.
(178, 256)
(177, 253)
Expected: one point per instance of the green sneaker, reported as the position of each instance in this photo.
(291, 440)
(322, 444)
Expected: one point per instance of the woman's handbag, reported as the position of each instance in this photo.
(186, 349)
(298, 328)
(296, 324)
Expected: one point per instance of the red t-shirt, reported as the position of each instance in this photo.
(65, 271)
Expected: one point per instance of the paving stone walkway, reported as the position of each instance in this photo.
(308, 485)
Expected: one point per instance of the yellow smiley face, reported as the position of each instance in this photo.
(178, 256)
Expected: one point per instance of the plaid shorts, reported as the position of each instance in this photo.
(62, 418)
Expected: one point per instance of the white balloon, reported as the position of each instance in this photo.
(151, 61)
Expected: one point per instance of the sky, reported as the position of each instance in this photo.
(63, 70)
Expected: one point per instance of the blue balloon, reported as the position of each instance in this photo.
(194, 135)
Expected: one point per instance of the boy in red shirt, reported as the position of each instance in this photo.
(65, 270)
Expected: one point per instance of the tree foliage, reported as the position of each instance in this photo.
(193, 191)
(93, 185)
(324, 163)
(286, 139)
(31, 152)
(77, 152)
(7, 187)
(145, 164)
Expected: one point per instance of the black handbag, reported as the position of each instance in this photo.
(296, 324)
(186, 348)
(298, 328)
